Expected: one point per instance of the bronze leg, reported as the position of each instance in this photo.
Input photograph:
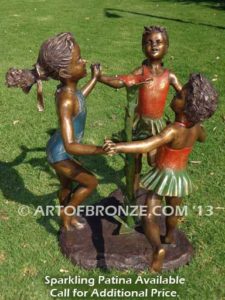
(171, 221)
(138, 167)
(152, 230)
(65, 190)
(87, 183)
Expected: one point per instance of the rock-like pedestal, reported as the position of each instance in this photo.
(98, 244)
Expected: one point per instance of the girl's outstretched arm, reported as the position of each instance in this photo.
(117, 82)
(164, 137)
(112, 81)
(95, 73)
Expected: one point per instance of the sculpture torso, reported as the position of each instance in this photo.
(152, 95)
(169, 176)
(176, 159)
(55, 147)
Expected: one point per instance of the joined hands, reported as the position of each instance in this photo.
(109, 147)
(96, 71)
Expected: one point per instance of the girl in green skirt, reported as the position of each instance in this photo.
(196, 102)
(152, 95)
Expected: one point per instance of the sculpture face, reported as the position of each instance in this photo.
(154, 45)
(77, 66)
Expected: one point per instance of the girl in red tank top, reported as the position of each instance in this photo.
(196, 102)
(152, 95)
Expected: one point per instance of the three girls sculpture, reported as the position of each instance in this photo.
(167, 147)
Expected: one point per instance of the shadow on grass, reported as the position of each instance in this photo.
(13, 187)
(99, 165)
(110, 13)
(209, 3)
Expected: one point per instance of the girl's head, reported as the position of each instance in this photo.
(155, 42)
(59, 59)
(197, 99)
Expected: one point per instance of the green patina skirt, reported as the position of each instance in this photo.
(168, 182)
(146, 127)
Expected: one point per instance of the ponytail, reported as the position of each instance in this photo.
(21, 78)
(55, 54)
(25, 79)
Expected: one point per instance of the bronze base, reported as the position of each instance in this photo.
(98, 244)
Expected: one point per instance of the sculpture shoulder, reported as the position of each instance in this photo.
(168, 134)
(67, 102)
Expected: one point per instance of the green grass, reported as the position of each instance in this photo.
(109, 32)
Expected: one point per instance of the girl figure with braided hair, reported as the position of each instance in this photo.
(60, 59)
(196, 102)
(152, 95)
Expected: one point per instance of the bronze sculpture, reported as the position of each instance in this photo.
(152, 95)
(60, 59)
(196, 102)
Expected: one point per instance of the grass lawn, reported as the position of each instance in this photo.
(109, 32)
